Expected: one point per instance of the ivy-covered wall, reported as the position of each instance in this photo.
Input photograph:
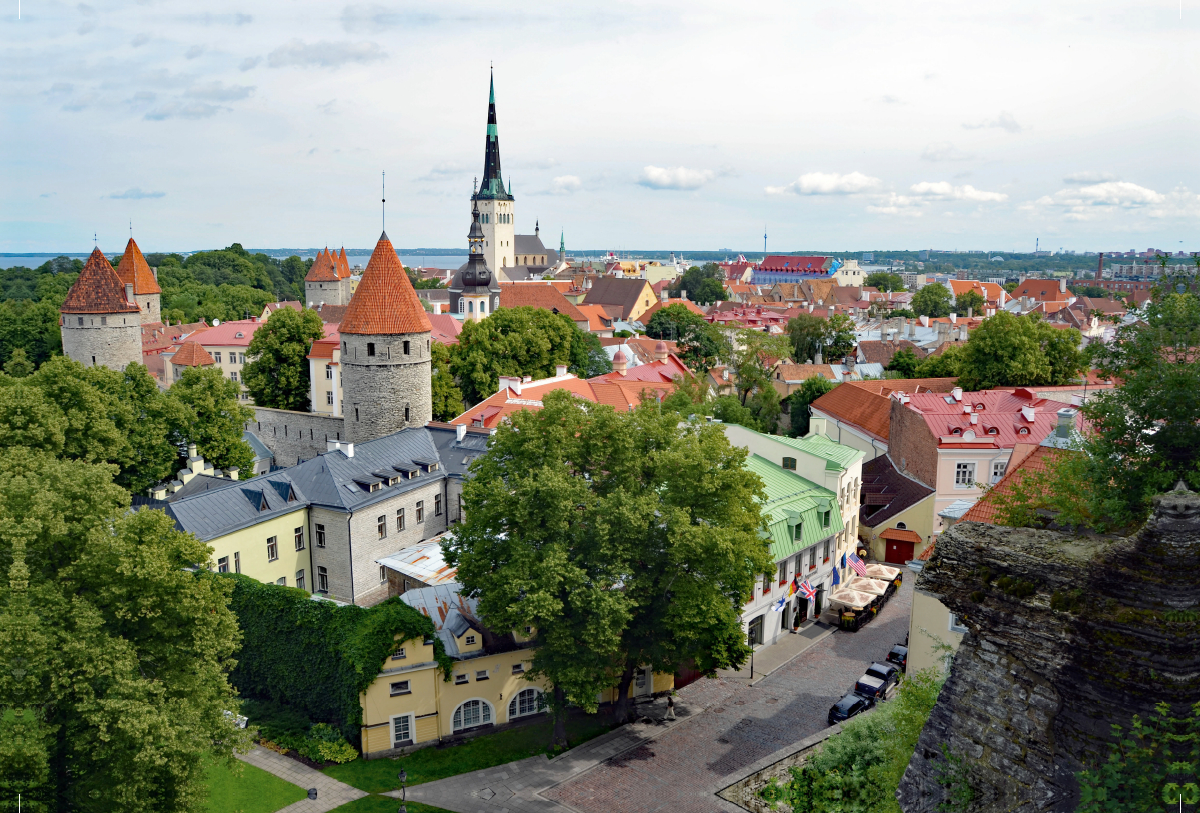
(317, 656)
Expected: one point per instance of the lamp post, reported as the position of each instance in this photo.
(403, 777)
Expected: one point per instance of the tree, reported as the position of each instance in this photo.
(753, 357)
(969, 302)
(708, 292)
(623, 539)
(807, 334)
(447, 397)
(1019, 351)
(943, 365)
(700, 342)
(904, 362)
(885, 281)
(933, 300)
(588, 359)
(799, 402)
(702, 283)
(117, 651)
(840, 337)
(216, 421)
(277, 372)
(903, 312)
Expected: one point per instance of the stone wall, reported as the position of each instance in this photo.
(379, 388)
(294, 436)
(102, 340)
(150, 306)
(911, 445)
(1069, 635)
(329, 293)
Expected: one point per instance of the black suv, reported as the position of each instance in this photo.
(898, 656)
(871, 687)
(886, 672)
(847, 707)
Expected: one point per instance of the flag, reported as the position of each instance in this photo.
(778, 606)
(858, 565)
(808, 590)
(843, 561)
(792, 588)
(836, 578)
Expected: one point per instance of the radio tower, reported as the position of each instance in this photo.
(764, 240)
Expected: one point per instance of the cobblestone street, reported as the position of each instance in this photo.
(680, 770)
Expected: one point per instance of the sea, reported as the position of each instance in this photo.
(354, 257)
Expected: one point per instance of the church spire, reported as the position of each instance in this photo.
(492, 187)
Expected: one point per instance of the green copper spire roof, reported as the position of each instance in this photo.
(492, 187)
(562, 245)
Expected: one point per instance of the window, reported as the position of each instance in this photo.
(812, 557)
(998, 468)
(322, 580)
(470, 640)
(518, 669)
(399, 654)
(328, 372)
(400, 687)
(789, 463)
(825, 516)
(472, 713)
(460, 679)
(320, 536)
(825, 552)
(527, 701)
(481, 675)
(241, 358)
(399, 519)
(420, 510)
(237, 562)
(955, 626)
(406, 421)
(281, 581)
(797, 530)
(529, 631)
(382, 574)
(370, 348)
(103, 320)
(406, 344)
(964, 475)
(300, 579)
(901, 526)
(300, 538)
(402, 731)
(272, 549)
(381, 526)
(81, 325)
(233, 375)
(437, 505)
(766, 584)
(329, 398)
(223, 564)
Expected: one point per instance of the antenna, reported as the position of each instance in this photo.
(131, 228)
(383, 189)
(764, 239)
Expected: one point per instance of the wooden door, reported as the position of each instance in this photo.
(898, 552)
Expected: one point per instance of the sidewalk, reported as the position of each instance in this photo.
(330, 792)
(769, 658)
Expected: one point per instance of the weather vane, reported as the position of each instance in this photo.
(383, 188)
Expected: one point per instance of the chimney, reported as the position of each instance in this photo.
(817, 358)
(664, 295)
(725, 374)
(963, 332)
(192, 451)
(1077, 401)
(660, 351)
(129, 293)
(682, 294)
(1066, 422)
(460, 432)
(954, 318)
(970, 312)
(527, 379)
(348, 448)
(974, 418)
(1062, 286)
(1100, 267)
(956, 393)
(515, 383)
(560, 370)
(1029, 413)
(924, 321)
(234, 471)
(850, 363)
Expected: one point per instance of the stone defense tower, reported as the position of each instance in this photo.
(328, 281)
(101, 322)
(133, 269)
(386, 348)
(496, 213)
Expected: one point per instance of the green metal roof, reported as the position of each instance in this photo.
(794, 501)
(837, 457)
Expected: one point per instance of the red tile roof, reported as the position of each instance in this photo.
(988, 506)
(385, 302)
(236, 333)
(795, 265)
(539, 295)
(902, 536)
(134, 268)
(332, 313)
(1001, 421)
(445, 328)
(323, 268)
(98, 289)
(866, 405)
(324, 348)
(191, 354)
(659, 305)
(1041, 290)
(343, 265)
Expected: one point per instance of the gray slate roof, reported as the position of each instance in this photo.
(242, 503)
(532, 244)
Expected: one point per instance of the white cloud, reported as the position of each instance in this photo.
(323, 54)
(220, 92)
(136, 194)
(1099, 200)
(1005, 121)
(1083, 178)
(828, 183)
(565, 185)
(193, 52)
(944, 190)
(944, 151)
(191, 110)
(674, 177)
(140, 40)
(249, 62)
(446, 169)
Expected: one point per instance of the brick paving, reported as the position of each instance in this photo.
(330, 792)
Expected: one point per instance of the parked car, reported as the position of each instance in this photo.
(899, 656)
(849, 706)
(871, 687)
(886, 672)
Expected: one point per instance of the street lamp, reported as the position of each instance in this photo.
(403, 777)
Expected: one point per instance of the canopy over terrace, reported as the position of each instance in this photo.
(874, 587)
(851, 599)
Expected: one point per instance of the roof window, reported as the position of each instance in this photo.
(239, 335)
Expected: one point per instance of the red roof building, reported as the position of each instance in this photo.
(98, 289)
(324, 268)
(134, 268)
(385, 302)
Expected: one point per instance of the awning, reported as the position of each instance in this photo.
(882, 572)
(874, 587)
(852, 599)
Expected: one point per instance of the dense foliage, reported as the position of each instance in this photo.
(799, 402)
(703, 284)
(447, 397)
(885, 281)
(316, 656)
(277, 374)
(623, 539)
(700, 342)
(1019, 351)
(833, 337)
(904, 362)
(933, 300)
(969, 302)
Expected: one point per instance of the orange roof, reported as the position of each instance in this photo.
(659, 305)
(596, 316)
(988, 290)
(866, 405)
(385, 302)
(191, 354)
(98, 289)
(134, 268)
(324, 348)
(902, 536)
(1041, 290)
(534, 295)
(323, 268)
(343, 264)
(987, 508)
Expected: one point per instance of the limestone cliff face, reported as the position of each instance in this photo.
(1068, 635)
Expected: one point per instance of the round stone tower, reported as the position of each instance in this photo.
(134, 270)
(386, 347)
(101, 323)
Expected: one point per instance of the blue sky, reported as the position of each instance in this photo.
(837, 125)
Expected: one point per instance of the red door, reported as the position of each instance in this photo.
(898, 552)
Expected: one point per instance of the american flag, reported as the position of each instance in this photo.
(858, 565)
(808, 590)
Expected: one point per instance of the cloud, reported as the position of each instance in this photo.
(944, 151)
(191, 110)
(84, 8)
(328, 107)
(249, 62)
(143, 97)
(81, 102)
(673, 177)
(566, 185)
(943, 190)
(136, 194)
(140, 40)
(47, 194)
(1004, 121)
(193, 52)
(87, 28)
(898, 205)
(59, 87)
(446, 169)
(1098, 200)
(827, 183)
(220, 92)
(889, 99)
(1085, 178)
(323, 54)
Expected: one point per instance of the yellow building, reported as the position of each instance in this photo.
(934, 633)
(410, 705)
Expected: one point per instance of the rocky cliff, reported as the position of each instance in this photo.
(1068, 635)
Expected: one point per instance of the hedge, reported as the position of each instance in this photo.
(317, 656)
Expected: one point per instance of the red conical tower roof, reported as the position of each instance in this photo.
(343, 264)
(98, 289)
(191, 354)
(134, 268)
(385, 302)
(323, 269)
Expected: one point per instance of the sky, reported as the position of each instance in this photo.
(840, 126)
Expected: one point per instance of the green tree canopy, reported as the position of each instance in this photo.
(833, 337)
(944, 365)
(623, 539)
(904, 362)
(933, 300)
(277, 372)
(702, 283)
(447, 397)
(799, 402)
(700, 342)
(1019, 351)
(969, 302)
(885, 281)
(840, 337)
(753, 359)
(217, 419)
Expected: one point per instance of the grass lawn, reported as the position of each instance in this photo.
(251, 790)
(383, 804)
(429, 764)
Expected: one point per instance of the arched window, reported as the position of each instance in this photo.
(527, 701)
(496, 304)
(462, 305)
(900, 526)
(483, 306)
(472, 714)
(471, 307)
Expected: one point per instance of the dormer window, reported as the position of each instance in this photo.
(470, 640)
(1023, 430)
(991, 430)
(239, 335)
(956, 431)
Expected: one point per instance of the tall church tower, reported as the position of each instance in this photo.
(496, 214)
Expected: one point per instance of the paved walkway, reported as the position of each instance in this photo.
(769, 658)
(330, 792)
(725, 726)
